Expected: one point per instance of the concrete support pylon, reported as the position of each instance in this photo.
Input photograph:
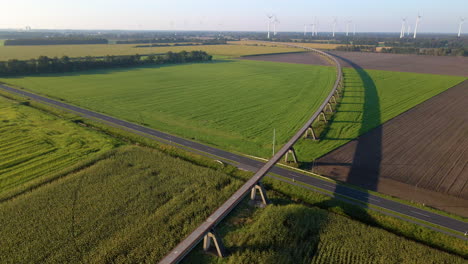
(310, 131)
(322, 115)
(293, 154)
(212, 236)
(330, 109)
(253, 193)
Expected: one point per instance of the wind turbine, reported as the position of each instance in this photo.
(354, 29)
(409, 30)
(334, 26)
(275, 21)
(462, 20)
(305, 30)
(316, 22)
(347, 27)
(418, 18)
(313, 29)
(403, 25)
(269, 22)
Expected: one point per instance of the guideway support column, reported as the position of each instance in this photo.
(212, 236)
(259, 187)
(310, 131)
(293, 154)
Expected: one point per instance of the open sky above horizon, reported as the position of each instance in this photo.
(241, 15)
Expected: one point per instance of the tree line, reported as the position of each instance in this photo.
(54, 41)
(44, 64)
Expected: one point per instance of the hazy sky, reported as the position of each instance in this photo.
(368, 15)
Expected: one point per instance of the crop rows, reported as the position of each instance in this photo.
(295, 233)
(234, 104)
(134, 205)
(35, 147)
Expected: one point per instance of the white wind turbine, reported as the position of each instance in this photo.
(403, 26)
(347, 27)
(418, 18)
(462, 20)
(334, 26)
(275, 21)
(305, 30)
(409, 30)
(270, 16)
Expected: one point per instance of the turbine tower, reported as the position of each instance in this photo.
(409, 30)
(334, 26)
(418, 18)
(275, 21)
(305, 30)
(462, 20)
(347, 27)
(316, 23)
(354, 29)
(269, 22)
(403, 25)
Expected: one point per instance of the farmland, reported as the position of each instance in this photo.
(235, 104)
(29, 52)
(371, 98)
(134, 205)
(295, 233)
(36, 147)
(230, 103)
(324, 46)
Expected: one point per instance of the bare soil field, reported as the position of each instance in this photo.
(422, 157)
(446, 65)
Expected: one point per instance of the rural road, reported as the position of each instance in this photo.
(374, 202)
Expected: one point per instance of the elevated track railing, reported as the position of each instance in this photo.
(206, 229)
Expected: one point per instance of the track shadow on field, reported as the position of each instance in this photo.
(357, 162)
(113, 70)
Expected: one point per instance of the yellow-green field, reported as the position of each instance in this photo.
(36, 147)
(30, 52)
(278, 45)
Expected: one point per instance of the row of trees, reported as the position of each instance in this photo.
(205, 42)
(44, 64)
(54, 41)
(186, 41)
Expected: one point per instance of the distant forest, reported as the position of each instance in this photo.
(174, 40)
(44, 64)
(54, 41)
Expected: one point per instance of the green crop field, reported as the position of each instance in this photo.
(32, 52)
(372, 97)
(133, 206)
(236, 104)
(233, 104)
(35, 146)
(299, 234)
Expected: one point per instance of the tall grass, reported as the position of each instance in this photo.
(133, 206)
(294, 233)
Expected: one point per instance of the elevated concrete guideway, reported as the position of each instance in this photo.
(206, 227)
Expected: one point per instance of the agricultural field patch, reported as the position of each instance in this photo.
(371, 98)
(298, 234)
(32, 52)
(36, 147)
(422, 154)
(231, 104)
(134, 206)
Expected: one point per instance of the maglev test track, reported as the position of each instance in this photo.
(378, 203)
